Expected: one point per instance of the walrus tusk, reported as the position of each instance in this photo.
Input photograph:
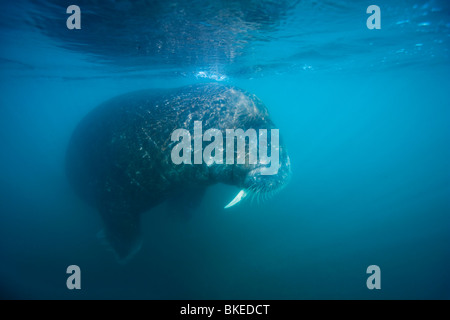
(241, 195)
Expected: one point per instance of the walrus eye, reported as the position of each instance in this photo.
(241, 195)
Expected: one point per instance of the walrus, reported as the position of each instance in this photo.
(119, 156)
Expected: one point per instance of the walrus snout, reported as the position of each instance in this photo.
(263, 186)
(267, 185)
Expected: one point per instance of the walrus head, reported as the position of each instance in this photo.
(245, 114)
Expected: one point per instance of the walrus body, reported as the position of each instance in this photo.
(119, 157)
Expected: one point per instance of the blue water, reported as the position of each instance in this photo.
(364, 113)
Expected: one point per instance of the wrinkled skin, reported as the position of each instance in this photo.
(119, 157)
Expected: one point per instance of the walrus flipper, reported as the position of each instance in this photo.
(121, 232)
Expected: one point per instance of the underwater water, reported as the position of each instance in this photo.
(364, 114)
